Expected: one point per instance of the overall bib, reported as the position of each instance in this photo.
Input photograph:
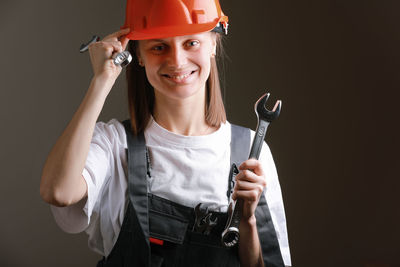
(157, 232)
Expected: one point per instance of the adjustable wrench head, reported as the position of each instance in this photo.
(263, 113)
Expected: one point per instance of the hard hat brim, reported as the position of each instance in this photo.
(171, 31)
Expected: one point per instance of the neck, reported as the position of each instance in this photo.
(182, 116)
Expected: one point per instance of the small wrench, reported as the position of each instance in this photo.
(230, 236)
(120, 59)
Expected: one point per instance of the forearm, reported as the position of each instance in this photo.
(249, 245)
(62, 183)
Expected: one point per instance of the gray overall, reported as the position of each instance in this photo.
(188, 236)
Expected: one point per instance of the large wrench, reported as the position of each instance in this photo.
(230, 236)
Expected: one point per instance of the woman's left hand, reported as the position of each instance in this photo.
(250, 183)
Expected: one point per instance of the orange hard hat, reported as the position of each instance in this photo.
(151, 19)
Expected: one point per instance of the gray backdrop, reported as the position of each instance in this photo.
(335, 64)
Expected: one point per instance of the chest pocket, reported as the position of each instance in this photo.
(166, 220)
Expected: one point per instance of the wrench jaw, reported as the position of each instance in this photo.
(265, 114)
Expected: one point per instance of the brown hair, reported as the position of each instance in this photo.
(141, 93)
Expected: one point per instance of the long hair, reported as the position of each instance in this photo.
(141, 93)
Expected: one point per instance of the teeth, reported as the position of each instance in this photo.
(179, 77)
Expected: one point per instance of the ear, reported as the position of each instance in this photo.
(139, 57)
(214, 44)
(137, 51)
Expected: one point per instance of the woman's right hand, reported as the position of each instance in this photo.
(101, 54)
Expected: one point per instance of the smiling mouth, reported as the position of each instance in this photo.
(178, 77)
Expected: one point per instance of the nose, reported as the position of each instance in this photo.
(177, 57)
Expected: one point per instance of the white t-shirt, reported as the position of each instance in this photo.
(184, 169)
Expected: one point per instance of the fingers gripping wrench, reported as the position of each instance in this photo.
(120, 59)
(230, 236)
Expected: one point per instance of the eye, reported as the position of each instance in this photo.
(193, 43)
(158, 48)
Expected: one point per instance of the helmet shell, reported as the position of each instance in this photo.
(151, 19)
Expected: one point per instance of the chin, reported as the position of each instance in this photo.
(184, 91)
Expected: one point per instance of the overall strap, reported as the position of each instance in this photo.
(240, 147)
(240, 144)
(137, 189)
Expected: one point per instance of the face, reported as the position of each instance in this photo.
(178, 67)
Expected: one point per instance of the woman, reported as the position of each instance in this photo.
(155, 188)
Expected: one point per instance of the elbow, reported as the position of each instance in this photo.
(54, 196)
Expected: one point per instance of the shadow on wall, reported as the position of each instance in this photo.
(378, 264)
